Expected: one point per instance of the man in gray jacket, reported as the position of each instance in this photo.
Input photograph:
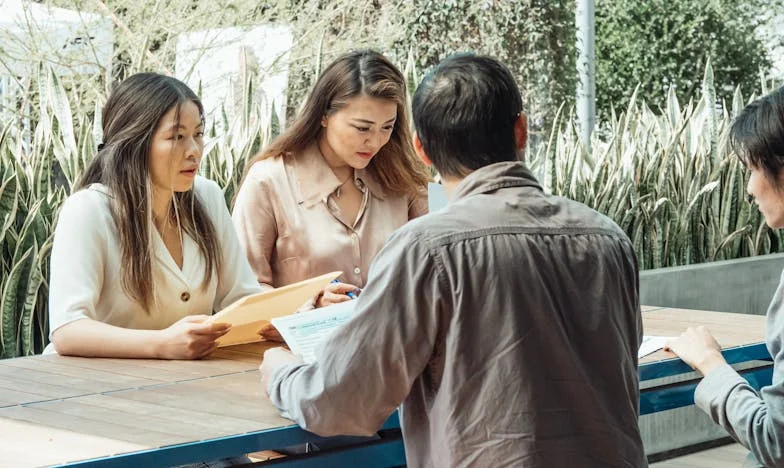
(507, 324)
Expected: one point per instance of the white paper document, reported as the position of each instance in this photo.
(304, 331)
(651, 344)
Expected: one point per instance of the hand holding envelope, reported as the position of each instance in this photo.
(253, 313)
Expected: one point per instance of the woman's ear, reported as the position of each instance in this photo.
(420, 150)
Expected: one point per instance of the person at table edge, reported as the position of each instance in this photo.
(754, 419)
(507, 324)
(326, 194)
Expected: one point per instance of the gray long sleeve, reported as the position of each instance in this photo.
(492, 321)
(755, 419)
(366, 369)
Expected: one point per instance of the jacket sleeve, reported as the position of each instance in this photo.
(756, 420)
(367, 367)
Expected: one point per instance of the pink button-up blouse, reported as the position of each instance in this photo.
(292, 229)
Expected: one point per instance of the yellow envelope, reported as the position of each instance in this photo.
(248, 315)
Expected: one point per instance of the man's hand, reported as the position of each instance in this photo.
(273, 360)
(697, 348)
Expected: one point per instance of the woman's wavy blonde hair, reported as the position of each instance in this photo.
(359, 73)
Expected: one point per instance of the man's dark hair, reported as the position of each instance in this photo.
(757, 135)
(464, 113)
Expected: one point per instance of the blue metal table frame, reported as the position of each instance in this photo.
(385, 452)
(680, 394)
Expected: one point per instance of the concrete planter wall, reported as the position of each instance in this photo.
(742, 286)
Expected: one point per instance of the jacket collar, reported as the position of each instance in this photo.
(496, 176)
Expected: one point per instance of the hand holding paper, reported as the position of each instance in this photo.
(651, 344)
(249, 315)
(698, 348)
(303, 332)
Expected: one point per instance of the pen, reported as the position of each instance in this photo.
(350, 294)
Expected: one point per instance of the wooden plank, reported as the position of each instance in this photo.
(185, 370)
(730, 330)
(65, 368)
(26, 444)
(181, 427)
(186, 421)
(105, 406)
(159, 370)
(237, 396)
(52, 386)
(13, 396)
(109, 427)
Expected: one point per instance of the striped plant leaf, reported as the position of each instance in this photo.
(25, 339)
(12, 302)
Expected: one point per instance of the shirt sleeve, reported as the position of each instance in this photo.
(256, 226)
(78, 258)
(236, 280)
(367, 367)
(418, 206)
(756, 420)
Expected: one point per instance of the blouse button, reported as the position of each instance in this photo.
(185, 296)
(357, 270)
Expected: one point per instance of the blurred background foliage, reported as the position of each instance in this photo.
(670, 78)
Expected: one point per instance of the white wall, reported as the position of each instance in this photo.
(72, 42)
(215, 59)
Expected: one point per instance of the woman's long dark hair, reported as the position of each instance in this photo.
(130, 118)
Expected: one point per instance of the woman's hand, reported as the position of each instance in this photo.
(336, 293)
(697, 348)
(190, 338)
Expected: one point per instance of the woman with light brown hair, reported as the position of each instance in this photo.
(326, 193)
(144, 249)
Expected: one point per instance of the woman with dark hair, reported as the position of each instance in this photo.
(755, 419)
(144, 249)
(326, 193)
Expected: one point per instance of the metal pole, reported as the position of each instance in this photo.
(586, 70)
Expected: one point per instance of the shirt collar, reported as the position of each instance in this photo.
(496, 176)
(316, 181)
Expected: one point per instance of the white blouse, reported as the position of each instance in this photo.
(86, 264)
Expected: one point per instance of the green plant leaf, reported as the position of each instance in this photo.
(12, 303)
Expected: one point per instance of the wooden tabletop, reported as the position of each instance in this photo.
(730, 330)
(56, 409)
